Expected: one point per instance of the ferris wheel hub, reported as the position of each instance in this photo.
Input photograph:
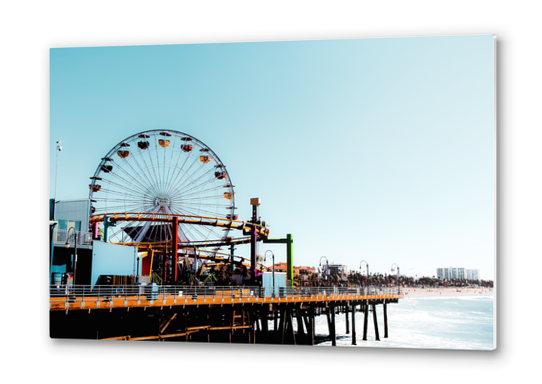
(162, 200)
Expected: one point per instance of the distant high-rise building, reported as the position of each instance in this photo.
(473, 274)
(451, 273)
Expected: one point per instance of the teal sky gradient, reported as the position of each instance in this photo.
(373, 149)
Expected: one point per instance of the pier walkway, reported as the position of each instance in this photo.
(84, 297)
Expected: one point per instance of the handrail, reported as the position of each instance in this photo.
(156, 292)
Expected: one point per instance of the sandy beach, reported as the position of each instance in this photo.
(445, 291)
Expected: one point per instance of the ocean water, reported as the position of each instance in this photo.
(423, 322)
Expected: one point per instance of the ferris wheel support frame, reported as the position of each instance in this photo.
(253, 227)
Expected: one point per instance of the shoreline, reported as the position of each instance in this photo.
(409, 292)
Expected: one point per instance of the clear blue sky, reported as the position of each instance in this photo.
(373, 149)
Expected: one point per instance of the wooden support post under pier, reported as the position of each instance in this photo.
(311, 325)
(306, 320)
(264, 316)
(385, 320)
(365, 318)
(354, 324)
(377, 337)
(281, 326)
(291, 321)
(186, 326)
(328, 317)
(300, 328)
(346, 318)
(334, 340)
(208, 331)
(252, 321)
(331, 325)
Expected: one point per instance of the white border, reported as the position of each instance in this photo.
(29, 29)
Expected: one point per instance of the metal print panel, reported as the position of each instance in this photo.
(324, 193)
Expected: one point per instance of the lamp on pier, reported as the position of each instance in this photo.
(367, 264)
(195, 263)
(398, 274)
(327, 265)
(265, 259)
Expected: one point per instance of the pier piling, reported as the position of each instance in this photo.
(281, 326)
(331, 325)
(311, 325)
(354, 325)
(377, 337)
(385, 320)
(365, 310)
(300, 328)
(291, 321)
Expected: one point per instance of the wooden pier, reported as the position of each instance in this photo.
(241, 317)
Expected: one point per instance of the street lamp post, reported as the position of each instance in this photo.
(265, 259)
(327, 265)
(75, 245)
(196, 264)
(58, 149)
(367, 264)
(398, 273)
(137, 270)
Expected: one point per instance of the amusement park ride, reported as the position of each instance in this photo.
(169, 194)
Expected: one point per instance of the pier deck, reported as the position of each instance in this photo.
(228, 313)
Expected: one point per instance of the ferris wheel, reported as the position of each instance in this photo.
(162, 172)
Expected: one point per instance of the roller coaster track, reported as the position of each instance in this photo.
(183, 219)
(144, 246)
(210, 255)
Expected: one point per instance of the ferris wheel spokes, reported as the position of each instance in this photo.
(163, 171)
(176, 181)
